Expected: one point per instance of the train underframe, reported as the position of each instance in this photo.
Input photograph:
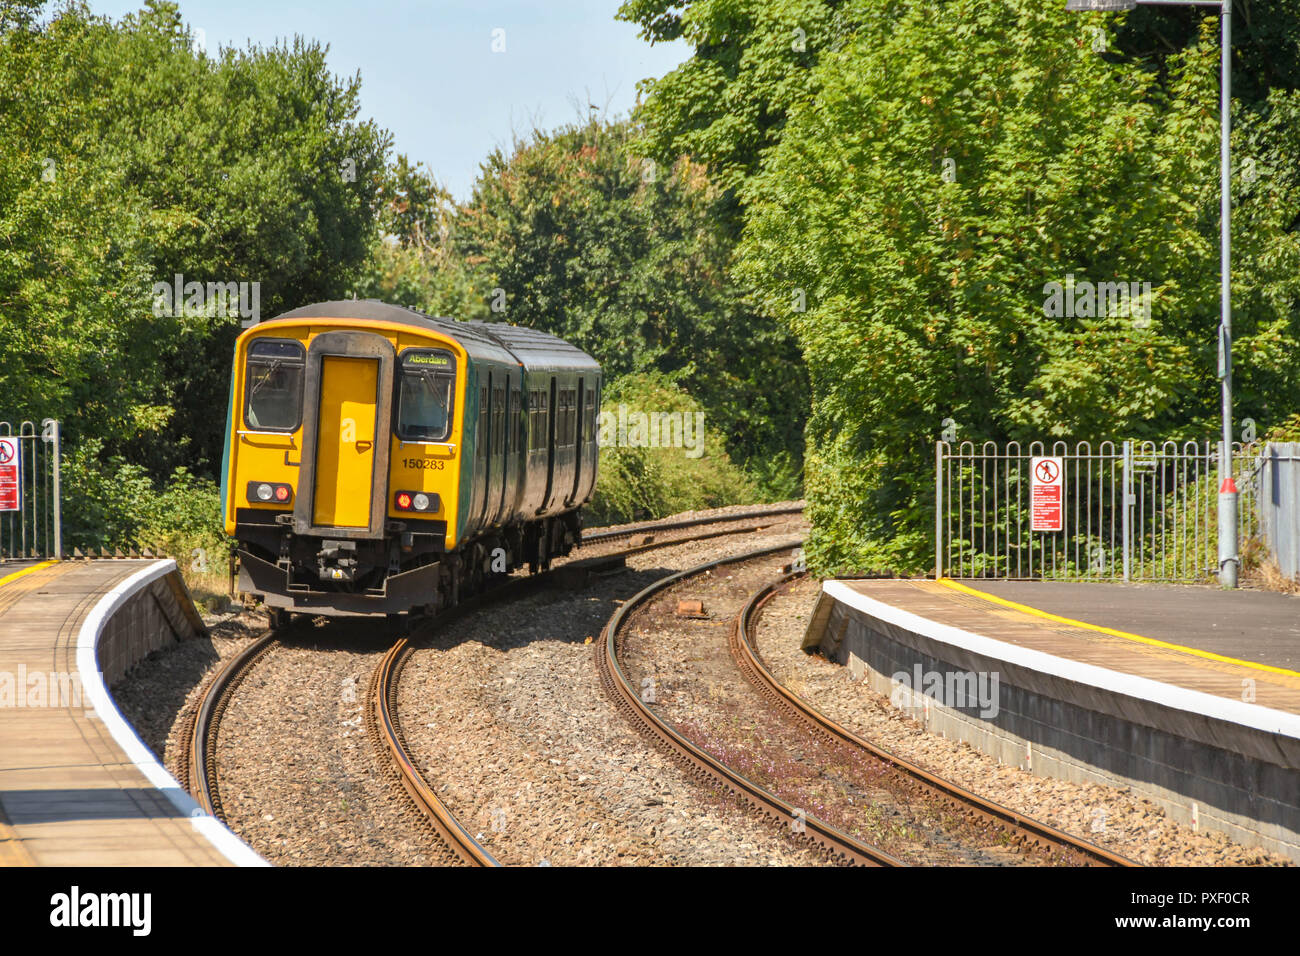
(408, 571)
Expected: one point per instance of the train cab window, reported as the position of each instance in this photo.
(273, 384)
(424, 406)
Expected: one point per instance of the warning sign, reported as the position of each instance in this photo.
(11, 494)
(1046, 493)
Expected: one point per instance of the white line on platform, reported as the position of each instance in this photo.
(1255, 716)
(92, 682)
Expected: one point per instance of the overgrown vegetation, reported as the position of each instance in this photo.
(910, 177)
(639, 481)
(837, 222)
(131, 158)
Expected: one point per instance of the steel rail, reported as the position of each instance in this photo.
(383, 704)
(197, 760)
(700, 764)
(688, 523)
(1024, 830)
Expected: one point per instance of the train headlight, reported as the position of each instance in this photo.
(416, 501)
(269, 492)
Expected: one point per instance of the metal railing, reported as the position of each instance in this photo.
(1127, 510)
(1279, 504)
(33, 529)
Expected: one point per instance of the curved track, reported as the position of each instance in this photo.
(197, 763)
(1023, 831)
(701, 765)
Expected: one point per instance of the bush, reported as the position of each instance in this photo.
(111, 503)
(637, 482)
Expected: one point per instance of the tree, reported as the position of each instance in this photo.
(133, 158)
(628, 260)
(943, 179)
(416, 262)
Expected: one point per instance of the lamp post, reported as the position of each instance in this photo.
(1228, 557)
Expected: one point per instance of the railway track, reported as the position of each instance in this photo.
(1024, 831)
(197, 760)
(1019, 830)
(701, 765)
(660, 526)
(198, 763)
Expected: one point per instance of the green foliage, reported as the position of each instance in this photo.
(638, 483)
(629, 260)
(113, 503)
(131, 158)
(926, 297)
(753, 60)
(416, 263)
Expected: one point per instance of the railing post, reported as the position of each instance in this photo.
(58, 509)
(1128, 508)
(938, 510)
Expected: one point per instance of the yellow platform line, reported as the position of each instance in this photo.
(1151, 641)
(25, 571)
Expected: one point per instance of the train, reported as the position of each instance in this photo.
(383, 462)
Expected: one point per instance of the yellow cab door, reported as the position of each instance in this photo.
(345, 446)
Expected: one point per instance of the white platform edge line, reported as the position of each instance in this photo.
(92, 682)
(1254, 716)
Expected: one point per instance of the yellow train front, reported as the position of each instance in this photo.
(380, 461)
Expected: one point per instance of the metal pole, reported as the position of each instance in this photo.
(1228, 559)
(938, 510)
(1128, 508)
(58, 507)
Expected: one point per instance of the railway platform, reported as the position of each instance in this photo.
(77, 786)
(1189, 695)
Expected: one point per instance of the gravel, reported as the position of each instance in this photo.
(164, 687)
(512, 729)
(700, 691)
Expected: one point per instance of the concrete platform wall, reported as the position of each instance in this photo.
(151, 616)
(1231, 777)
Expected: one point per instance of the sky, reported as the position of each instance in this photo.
(430, 75)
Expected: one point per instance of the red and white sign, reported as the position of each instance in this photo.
(1046, 493)
(11, 489)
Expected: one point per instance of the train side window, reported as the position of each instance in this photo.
(424, 404)
(273, 385)
(483, 420)
(515, 408)
(543, 423)
(498, 420)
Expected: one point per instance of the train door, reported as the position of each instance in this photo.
(345, 451)
(348, 400)
(579, 435)
(550, 448)
(485, 450)
(503, 444)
